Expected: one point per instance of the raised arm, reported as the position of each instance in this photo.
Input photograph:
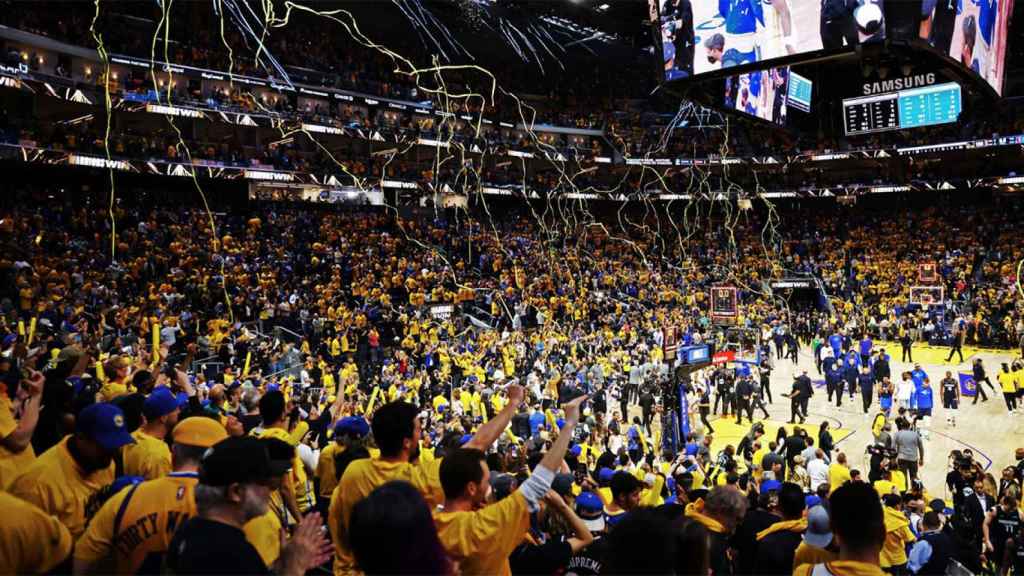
(490, 430)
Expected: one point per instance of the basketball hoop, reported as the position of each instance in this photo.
(925, 296)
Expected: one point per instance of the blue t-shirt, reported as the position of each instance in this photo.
(924, 398)
(918, 376)
(741, 16)
(865, 346)
(633, 438)
(536, 420)
(988, 10)
(836, 342)
(867, 381)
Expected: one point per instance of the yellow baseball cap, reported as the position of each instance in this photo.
(199, 431)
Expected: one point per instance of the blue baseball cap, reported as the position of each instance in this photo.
(811, 501)
(589, 503)
(104, 424)
(160, 402)
(355, 426)
(604, 475)
(575, 450)
(122, 482)
(770, 486)
(10, 339)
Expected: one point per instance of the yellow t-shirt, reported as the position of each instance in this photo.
(806, 554)
(325, 469)
(842, 568)
(153, 514)
(361, 477)
(837, 476)
(11, 463)
(264, 532)
(148, 457)
(884, 487)
(60, 487)
(897, 536)
(481, 540)
(651, 497)
(300, 480)
(31, 541)
(112, 390)
(1007, 381)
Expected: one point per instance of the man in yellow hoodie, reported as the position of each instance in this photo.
(897, 535)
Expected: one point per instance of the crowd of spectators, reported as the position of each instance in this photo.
(296, 322)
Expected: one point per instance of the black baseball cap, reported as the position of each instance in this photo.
(241, 460)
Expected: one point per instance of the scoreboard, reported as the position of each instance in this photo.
(871, 114)
(930, 105)
(939, 104)
(800, 92)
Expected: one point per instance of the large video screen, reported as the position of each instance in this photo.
(972, 32)
(763, 93)
(700, 36)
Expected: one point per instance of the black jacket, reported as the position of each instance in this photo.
(881, 369)
(521, 425)
(942, 551)
(975, 511)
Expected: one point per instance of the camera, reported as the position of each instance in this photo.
(883, 451)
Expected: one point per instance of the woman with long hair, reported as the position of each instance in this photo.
(825, 441)
(396, 512)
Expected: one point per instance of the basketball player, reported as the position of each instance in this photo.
(950, 398)
(780, 22)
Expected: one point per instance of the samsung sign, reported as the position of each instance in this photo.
(792, 283)
(896, 84)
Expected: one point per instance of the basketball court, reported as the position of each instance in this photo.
(986, 428)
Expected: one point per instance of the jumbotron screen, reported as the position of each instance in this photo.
(972, 32)
(762, 93)
(701, 36)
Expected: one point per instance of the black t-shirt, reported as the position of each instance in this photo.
(204, 546)
(587, 562)
(547, 558)
(956, 483)
(949, 388)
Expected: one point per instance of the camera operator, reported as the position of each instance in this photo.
(647, 402)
